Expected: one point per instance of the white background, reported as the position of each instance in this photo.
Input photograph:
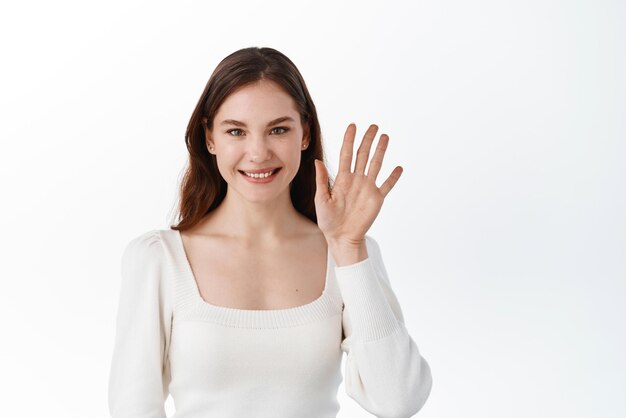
(505, 238)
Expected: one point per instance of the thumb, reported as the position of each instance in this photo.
(321, 181)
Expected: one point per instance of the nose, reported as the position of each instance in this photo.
(258, 149)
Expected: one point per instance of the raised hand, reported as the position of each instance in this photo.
(346, 212)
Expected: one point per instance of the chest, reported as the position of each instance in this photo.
(275, 372)
(254, 278)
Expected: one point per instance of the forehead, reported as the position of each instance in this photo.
(262, 99)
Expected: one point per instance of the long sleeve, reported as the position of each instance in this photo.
(139, 374)
(384, 371)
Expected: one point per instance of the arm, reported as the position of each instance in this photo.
(384, 371)
(138, 378)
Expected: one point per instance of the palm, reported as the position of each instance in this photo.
(346, 212)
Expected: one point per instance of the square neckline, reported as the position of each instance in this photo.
(227, 309)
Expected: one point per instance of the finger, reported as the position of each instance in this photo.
(363, 152)
(345, 155)
(321, 181)
(391, 181)
(377, 159)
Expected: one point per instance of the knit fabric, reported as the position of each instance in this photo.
(224, 362)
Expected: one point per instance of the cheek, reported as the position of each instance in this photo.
(294, 155)
(226, 160)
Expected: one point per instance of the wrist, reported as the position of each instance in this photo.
(347, 252)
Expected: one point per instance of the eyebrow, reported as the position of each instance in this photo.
(273, 122)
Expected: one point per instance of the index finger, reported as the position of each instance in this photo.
(345, 155)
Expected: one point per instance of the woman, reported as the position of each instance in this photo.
(245, 307)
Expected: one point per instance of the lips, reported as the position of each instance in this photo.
(265, 175)
(260, 173)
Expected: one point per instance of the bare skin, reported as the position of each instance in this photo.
(238, 273)
(255, 251)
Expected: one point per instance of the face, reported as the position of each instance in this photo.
(256, 131)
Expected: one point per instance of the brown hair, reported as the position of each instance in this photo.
(203, 187)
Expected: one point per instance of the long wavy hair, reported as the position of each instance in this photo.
(203, 188)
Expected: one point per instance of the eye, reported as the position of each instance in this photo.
(231, 131)
(284, 130)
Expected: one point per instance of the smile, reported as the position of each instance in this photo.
(263, 177)
(259, 175)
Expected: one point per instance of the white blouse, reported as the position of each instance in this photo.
(225, 362)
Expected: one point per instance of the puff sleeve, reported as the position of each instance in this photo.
(384, 371)
(139, 374)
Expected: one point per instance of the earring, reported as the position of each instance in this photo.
(304, 146)
(211, 148)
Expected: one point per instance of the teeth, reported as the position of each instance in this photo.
(259, 175)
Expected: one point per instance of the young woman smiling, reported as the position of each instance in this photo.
(246, 306)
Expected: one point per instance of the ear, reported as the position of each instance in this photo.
(207, 134)
(306, 138)
(210, 146)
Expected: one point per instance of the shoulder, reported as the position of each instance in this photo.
(142, 249)
(144, 276)
(145, 240)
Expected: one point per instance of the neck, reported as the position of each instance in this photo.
(268, 222)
